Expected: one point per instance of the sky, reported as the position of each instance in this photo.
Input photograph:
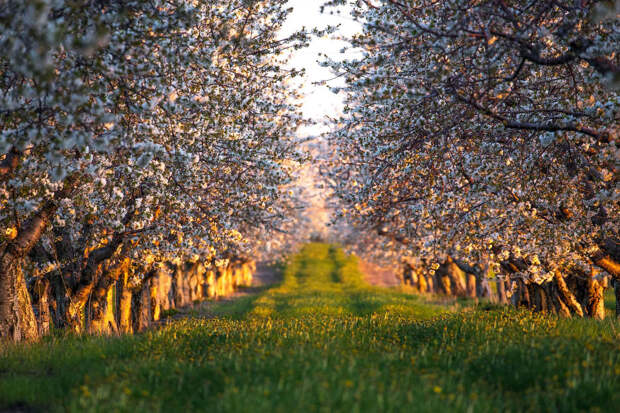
(318, 101)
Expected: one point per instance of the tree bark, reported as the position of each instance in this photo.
(595, 304)
(521, 296)
(103, 321)
(164, 290)
(155, 307)
(17, 319)
(124, 295)
(560, 307)
(446, 287)
(211, 284)
(248, 274)
(471, 285)
(86, 283)
(567, 296)
(193, 281)
(457, 278)
(501, 290)
(40, 295)
(141, 308)
(407, 275)
(102, 318)
(430, 282)
(181, 289)
(608, 258)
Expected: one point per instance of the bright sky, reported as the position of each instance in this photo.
(318, 101)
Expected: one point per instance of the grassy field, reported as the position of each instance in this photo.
(323, 340)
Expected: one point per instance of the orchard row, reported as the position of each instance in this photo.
(136, 134)
(485, 134)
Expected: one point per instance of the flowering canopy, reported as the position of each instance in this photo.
(174, 116)
(483, 128)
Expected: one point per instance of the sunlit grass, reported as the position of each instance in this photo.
(323, 340)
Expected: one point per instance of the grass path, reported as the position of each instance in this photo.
(325, 340)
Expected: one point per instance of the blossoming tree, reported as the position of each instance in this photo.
(484, 134)
(141, 131)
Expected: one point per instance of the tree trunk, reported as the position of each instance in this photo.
(457, 278)
(60, 298)
(200, 281)
(247, 274)
(230, 285)
(103, 321)
(235, 275)
(594, 301)
(193, 282)
(556, 300)
(471, 285)
(211, 284)
(154, 298)
(124, 296)
(567, 296)
(164, 290)
(501, 290)
(430, 283)
(141, 308)
(17, 319)
(40, 295)
(538, 296)
(422, 284)
(521, 296)
(181, 290)
(446, 287)
(77, 306)
(85, 286)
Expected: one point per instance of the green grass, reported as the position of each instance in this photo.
(323, 340)
(610, 302)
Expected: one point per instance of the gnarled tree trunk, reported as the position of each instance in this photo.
(153, 287)
(141, 308)
(124, 298)
(502, 297)
(567, 296)
(471, 285)
(595, 299)
(103, 321)
(17, 319)
(211, 280)
(40, 295)
(457, 278)
(102, 318)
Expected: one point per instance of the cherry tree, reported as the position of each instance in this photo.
(142, 130)
(486, 132)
